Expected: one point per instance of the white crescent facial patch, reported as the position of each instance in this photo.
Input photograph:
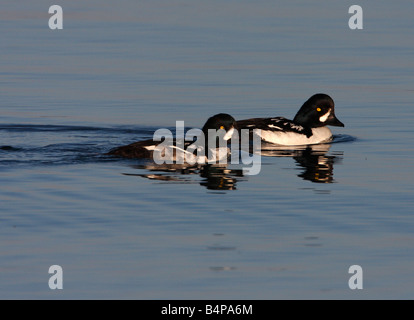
(325, 116)
(228, 134)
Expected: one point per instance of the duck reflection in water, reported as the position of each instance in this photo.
(314, 161)
(220, 178)
(214, 177)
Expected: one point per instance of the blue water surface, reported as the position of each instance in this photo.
(122, 229)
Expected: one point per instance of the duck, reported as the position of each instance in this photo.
(308, 127)
(217, 130)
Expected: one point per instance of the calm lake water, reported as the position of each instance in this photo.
(121, 229)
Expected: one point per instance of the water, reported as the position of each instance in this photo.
(119, 229)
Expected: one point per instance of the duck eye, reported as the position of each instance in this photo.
(318, 109)
(221, 127)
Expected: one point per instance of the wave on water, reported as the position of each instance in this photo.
(62, 128)
(25, 144)
(339, 138)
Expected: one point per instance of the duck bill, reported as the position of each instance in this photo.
(333, 121)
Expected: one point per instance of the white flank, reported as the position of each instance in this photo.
(150, 148)
(321, 134)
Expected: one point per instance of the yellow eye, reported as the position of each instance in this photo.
(318, 109)
(221, 127)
